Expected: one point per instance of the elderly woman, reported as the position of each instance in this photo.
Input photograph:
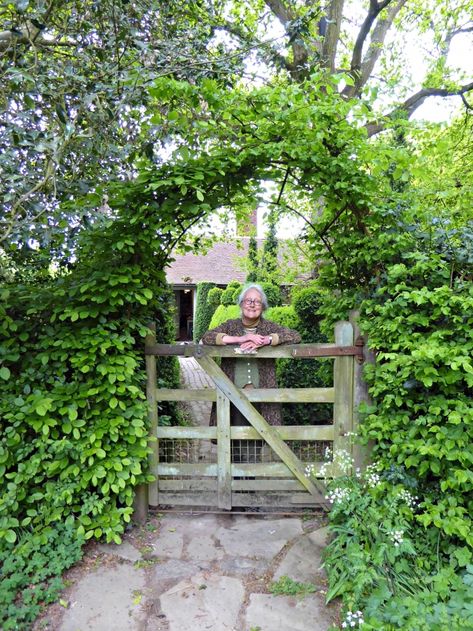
(249, 333)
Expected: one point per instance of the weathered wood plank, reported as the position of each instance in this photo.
(257, 395)
(301, 351)
(361, 453)
(257, 500)
(224, 475)
(275, 500)
(185, 469)
(275, 484)
(169, 394)
(266, 470)
(209, 484)
(265, 430)
(343, 383)
(151, 380)
(178, 432)
(287, 432)
(202, 498)
(189, 484)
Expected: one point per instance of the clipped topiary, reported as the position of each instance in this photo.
(203, 310)
(273, 294)
(310, 373)
(214, 296)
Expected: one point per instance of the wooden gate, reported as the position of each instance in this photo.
(194, 466)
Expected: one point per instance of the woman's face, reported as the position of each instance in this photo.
(252, 305)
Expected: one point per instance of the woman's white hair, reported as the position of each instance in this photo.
(259, 289)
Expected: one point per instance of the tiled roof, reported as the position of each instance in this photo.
(223, 263)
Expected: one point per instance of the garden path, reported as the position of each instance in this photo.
(189, 571)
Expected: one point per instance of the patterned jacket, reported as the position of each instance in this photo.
(266, 367)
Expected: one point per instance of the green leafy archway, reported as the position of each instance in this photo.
(227, 147)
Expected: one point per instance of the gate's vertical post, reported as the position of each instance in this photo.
(361, 453)
(224, 470)
(343, 385)
(151, 385)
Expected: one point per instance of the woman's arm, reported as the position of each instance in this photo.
(227, 333)
(231, 332)
(281, 334)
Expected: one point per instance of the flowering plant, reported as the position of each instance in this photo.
(379, 560)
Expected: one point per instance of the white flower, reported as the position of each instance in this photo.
(397, 537)
(408, 498)
(337, 495)
(353, 618)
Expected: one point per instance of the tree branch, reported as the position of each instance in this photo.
(300, 54)
(410, 105)
(329, 48)
(362, 68)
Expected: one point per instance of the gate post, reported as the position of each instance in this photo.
(361, 453)
(224, 472)
(343, 386)
(151, 385)
(141, 499)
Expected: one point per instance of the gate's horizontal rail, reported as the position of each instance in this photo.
(269, 470)
(209, 484)
(299, 351)
(286, 432)
(260, 500)
(256, 395)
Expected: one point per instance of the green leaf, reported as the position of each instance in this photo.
(10, 536)
(5, 373)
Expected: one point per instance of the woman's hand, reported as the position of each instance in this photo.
(250, 341)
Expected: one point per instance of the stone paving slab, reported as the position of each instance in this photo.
(108, 598)
(203, 573)
(286, 613)
(258, 538)
(304, 559)
(204, 602)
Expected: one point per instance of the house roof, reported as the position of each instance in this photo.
(223, 263)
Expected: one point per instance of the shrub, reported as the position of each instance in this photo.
(307, 373)
(386, 566)
(284, 316)
(214, 296)
(222, 314)
(230, 295)
(273, 294)
(203, 310)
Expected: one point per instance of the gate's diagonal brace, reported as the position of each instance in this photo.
(265, 430)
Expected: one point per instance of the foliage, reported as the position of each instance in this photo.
(214, 296)
(203, 310)
(253, 264)
(286, 586)
(73, 411)
(285, 316)
(222, 314)
(307, 373)
(230, 294)
(273, 293)
(421, 325)
(74, 89)
(30, 573)
(385, 565)
(269, 260)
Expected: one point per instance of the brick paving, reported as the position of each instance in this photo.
(194, 378)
